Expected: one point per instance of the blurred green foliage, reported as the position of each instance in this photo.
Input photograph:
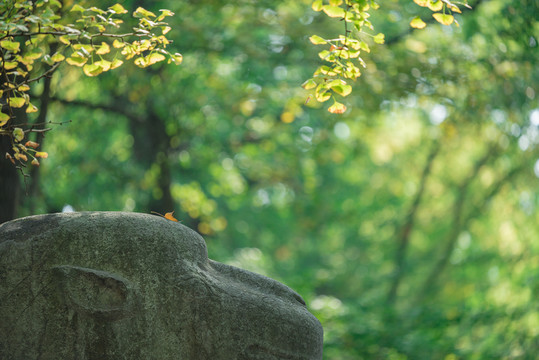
(409, 223)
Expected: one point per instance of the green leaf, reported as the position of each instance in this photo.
(379, 38)
(176, 58)
(363, 46)
(317, 40)
(143, 13)
(103, 49)
(333, 11)
(55, 3)
(417, 23)
(16, 102)
(309, 84)
(435, 5)
(4, 118)
(77, 7)
(317, 5)
(98, 10)
(58, 57)
(76, 60)
(32, 56)
(321, 93)
(104, 64)
(141, 62)
(8, 65)
(342, 89)
(64, 40)
(164, 13)
(118, 44)
(154, 58)
(18, 134)
(31, 108)
(86, 49)
(444, 19)
(117, 9)
(92, 69)
(116, 63)
(10, 45)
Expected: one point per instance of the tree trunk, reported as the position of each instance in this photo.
(9, 183)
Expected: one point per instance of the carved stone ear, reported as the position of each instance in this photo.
(97, 293)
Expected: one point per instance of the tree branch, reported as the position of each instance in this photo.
(107, 107)
(459, 222)
(403, 238)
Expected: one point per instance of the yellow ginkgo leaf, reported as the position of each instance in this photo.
(444, 19)
(417, 23)
(435, 5)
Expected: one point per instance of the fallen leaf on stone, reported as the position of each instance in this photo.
(168, 216)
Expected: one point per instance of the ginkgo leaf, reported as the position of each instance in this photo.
(31, 144)
(337, 108)
(379, 38)
(309, 84)
(9, 65)
(16, 102)
(169, 216)
(92, 69)
(117, 9)
(444, 19)
(104, 64)
(317, 5)
(103, 49)
(141, 12)
(317, 40)
(10, 45)
(154, 58)
(31, 108)
(42, 154)
(342, 89)
(18, 134)
(333, 11)
(77, 7)
(116, 63)
(435, 5)
(57, 57)
(417, 23)
(20, 156)
(118, 44)
(4, 118)
(76, 60)
(422, 2)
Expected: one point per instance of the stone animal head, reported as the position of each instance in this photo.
(133, 286)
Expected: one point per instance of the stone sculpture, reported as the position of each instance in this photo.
(112, 285)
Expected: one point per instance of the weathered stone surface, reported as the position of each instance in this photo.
(107, 285)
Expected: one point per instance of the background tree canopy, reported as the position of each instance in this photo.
(409, 222)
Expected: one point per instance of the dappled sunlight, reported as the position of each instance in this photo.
(407, 218)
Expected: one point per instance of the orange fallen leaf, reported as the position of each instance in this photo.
(168, 216)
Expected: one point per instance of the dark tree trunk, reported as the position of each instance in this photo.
(9, 183)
